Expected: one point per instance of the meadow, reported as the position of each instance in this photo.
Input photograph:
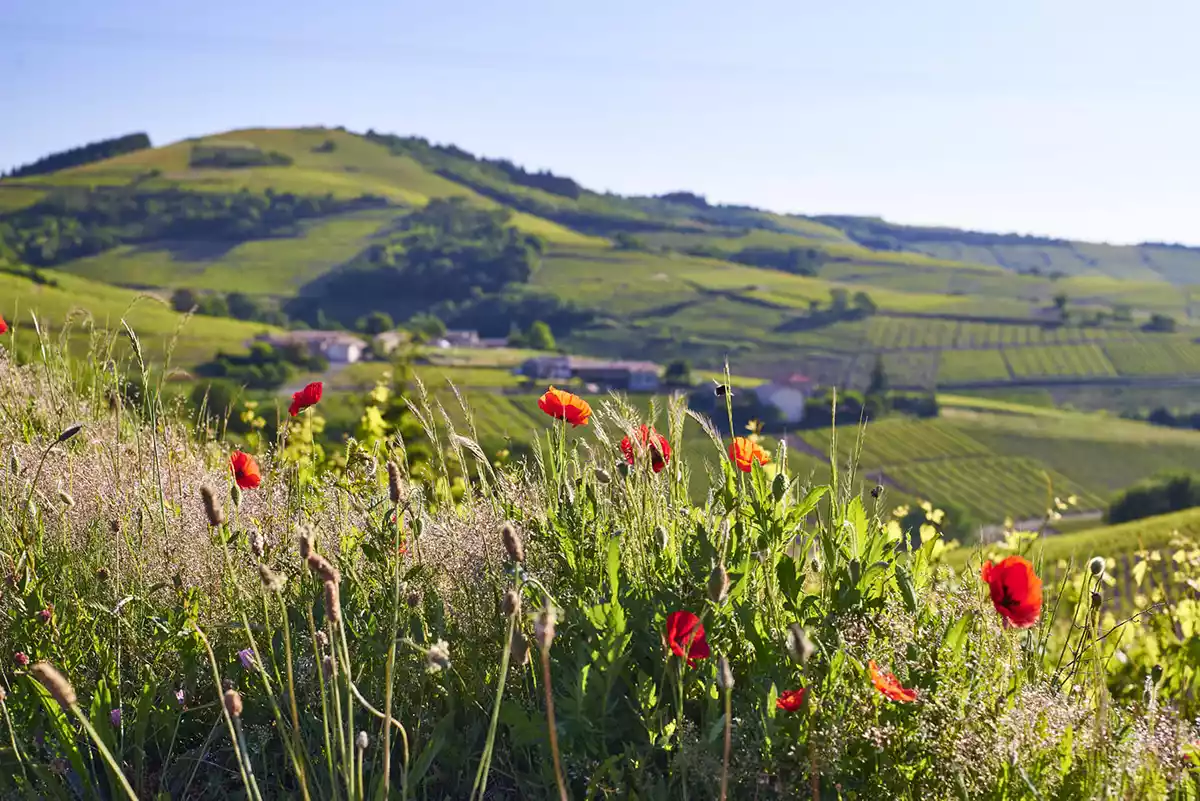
(399, 617)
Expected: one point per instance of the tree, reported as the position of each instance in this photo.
(838, 300)
(1060, 302)
(627, 241)
(863, 303)
(243, 307)
(540, 337)
(678, 373)
(425, 326)
(1163, 323)
(376, 323)
(878, 384)
(183, 300)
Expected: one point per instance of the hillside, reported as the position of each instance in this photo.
(667, 276)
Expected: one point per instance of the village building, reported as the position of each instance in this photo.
(631, 376)
(788, 396)
(339, 347)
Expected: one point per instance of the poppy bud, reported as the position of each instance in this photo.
(438, 657)
(1097, 599)
(69, 432)
(235, 495)
(855, 571)
(233, 703)
(799, 647)
(395, 483)
(361, 741)
(216, 515)
(778, 487)
(512, 543)
(519, 652)
(718, 585)
(602, 475)
(413, 600)
(724, 674)
(510, 603)
(66, 500)
(1156, 674)
(623, 469)
(55, 683)
(543, 627)
(1096, 566)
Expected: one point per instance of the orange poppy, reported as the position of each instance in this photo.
(245, 470)
(889, 686)
(1016, 590)
(744, 452)
(309, 396)
(652, 441)
(562, 405)
(790, 700)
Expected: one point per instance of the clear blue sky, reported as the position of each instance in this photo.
(1076, 118)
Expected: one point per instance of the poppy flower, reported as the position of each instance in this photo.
(652, 441)
(245, 470)
(790, 700)
(1016, 590)
(685, 637)
(744, 452)
(562, 405)
(3, 325)
(309, 396)
(889, 686)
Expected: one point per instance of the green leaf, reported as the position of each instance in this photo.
(904, 582)
(811, 500)
(956, 635)
(614, 567)
(437, 741)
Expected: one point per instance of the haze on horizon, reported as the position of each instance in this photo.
(1070, 119)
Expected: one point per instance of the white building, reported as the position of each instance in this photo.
(787, 396)
(339, 347)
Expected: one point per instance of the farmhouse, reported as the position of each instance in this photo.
(633, 376)
(338, 347)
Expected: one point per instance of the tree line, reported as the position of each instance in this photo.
(84, 154)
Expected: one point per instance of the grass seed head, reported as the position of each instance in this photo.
(213, 510)
(519, 652)
(543, 627)
(69, 432)
(513, 545)
(510, 603)
(333, 602)
(362, 741)
(395, 483)
(257, 543)
(438, 657)
(271, 580)
(322, 569)
(55, 683)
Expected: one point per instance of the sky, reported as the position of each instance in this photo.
(1071, 118)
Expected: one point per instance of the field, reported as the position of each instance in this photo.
(1055, 362)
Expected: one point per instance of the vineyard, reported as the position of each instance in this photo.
(1068, 361)
(936, 333)
(991, 488)
(898, 441)
(965, 366)
(1154, 358)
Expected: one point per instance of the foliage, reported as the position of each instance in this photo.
(678, 373)
(84, 154)
(264, 367)
(73, 223)
(1171, 492)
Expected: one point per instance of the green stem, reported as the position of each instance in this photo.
(485, 761)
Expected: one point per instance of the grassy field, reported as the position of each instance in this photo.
(78, 299)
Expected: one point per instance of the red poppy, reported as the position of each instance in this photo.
(1016, 590)
(3, 325)
(744, 451)
(685, 637)
(652, 441)
(562, 405)
(890, 686)
(790, 700)
(309, 396)
(245, 470)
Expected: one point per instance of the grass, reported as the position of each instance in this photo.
(410, 621)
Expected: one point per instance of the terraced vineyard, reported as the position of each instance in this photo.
(963, 366)
(991, 487)
(1059, 361)
(898, 441)
(1154, 357)
(914, 332)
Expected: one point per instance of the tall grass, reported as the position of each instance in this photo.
(356, 628)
